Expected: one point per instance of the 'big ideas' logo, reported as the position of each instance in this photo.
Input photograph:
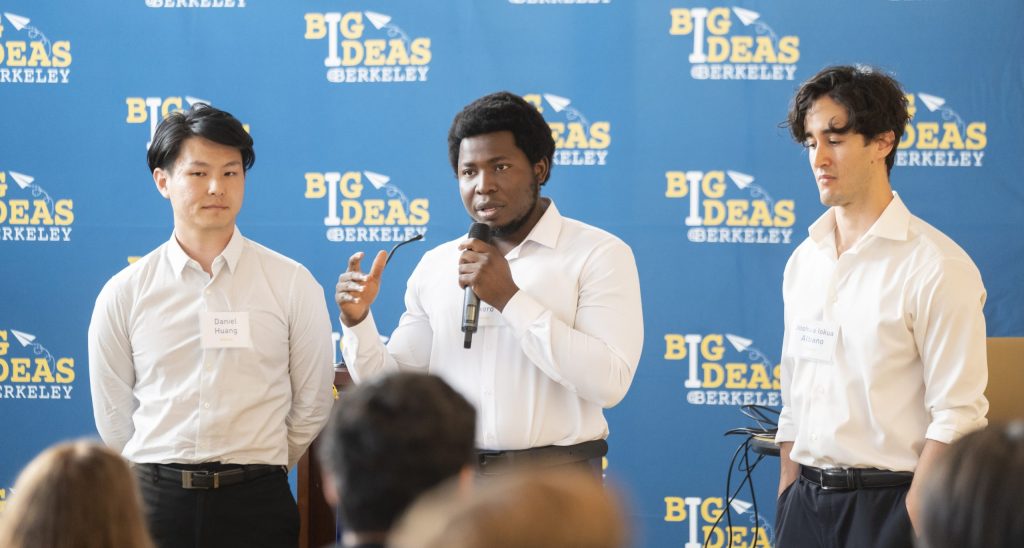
(357, 58)
(578, 141)
(701, 514)
(39, 219)
(721, 55)
(746, 377)
(155, 109)
(195, 3)
(38, 60)
(354, 217)
(759, 219)
(951, 142)
(33, 373)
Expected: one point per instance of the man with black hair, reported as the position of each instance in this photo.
(389, 441)
(883, 360)
(210, 357)
(561, 328)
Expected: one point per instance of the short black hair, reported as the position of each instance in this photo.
(392, 439)
(503, 111)
(971, 496)
(201, 120)
(874, 101)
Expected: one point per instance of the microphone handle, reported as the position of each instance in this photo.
(470, 316)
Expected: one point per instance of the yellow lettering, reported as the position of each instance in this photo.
(760, 216)
(16, 54)
(66, 370)
(39, 58)
(675, 509)
(41, 214)
(737, 212)
(759, 377)
(136, 110)
(42, 372)
(926, 135)
(352, 25)
(351, 212)
(19, 209)
(315, 26)
(789, 49)
(675, 346)
(714, 212)
(315, 187)
(951, 137)
(711, 347)
(710, 509)
(681, 23)
(372, 210)
(374, 52)
(718, 21)
(600, 135)
(351, 52)
(19, 370)
(420, 51)
(676, 182)
(784, 213)
(396, 53)
(170, 104)
(396, 213)
(714, 375)
(351, 184)
(765, 50)
(976, 139)
(741, 49)
(61, 53)
(65, 213)
(718, 49)
(419, 211)
(713, 184)
(734, 373)
(577, 136)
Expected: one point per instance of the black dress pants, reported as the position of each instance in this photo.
(255, 513)
(809, 516)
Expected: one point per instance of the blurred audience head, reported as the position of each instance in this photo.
(390, 440)
(75, 495)
(540, 508)
(972, 498)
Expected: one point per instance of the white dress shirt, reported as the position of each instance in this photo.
(539, 372)
(909, 362)
(160, 397)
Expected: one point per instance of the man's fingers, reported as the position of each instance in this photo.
(377, 268)
(353, 261)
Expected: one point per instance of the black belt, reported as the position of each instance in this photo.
(211, 478)
(854, 478)
(549, 455)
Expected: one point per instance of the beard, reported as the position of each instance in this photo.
(514, 225)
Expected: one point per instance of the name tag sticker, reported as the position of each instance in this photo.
(489, 316)
(225, 330)
(814, 341)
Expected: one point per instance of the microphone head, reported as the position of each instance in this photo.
(480, 231)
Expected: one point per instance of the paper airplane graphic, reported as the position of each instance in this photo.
(740, 506)
(931, 101)
(742, 180)
(22, 179)
(24, 338)
(378, 180)
(18, 21)
(193, 100)
(746, 16)
(556, 102)
(737, 342)
(378, 20)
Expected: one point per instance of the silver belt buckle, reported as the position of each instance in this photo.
(186, 479)
(823, 482)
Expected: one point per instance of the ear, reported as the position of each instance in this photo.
(885, 143)
(160, 177)
(541, 170)
(329, 489)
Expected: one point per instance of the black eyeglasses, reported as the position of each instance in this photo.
(400, 244)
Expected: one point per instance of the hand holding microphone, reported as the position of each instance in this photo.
(485, 275)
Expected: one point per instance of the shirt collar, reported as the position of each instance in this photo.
(231, 254)
(545, 232)
(892, 224)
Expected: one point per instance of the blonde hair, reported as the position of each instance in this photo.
(551, 508)
(75, 495)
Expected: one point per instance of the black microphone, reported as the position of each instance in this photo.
(471, 304)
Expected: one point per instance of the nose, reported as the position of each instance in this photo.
(820, 156)
(215, 186)
(486, 182)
